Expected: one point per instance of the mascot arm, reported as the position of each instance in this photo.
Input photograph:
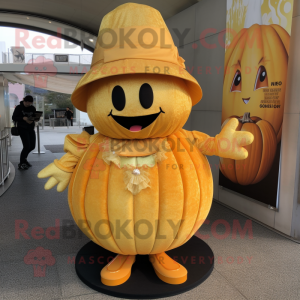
(229, 143)
(60, 171)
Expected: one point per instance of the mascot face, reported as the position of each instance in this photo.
(138, 106)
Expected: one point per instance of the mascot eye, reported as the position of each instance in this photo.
(146, 95)
(236, 85)
(261, 78)
(118, 98)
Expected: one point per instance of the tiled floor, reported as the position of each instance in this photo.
(259, 265)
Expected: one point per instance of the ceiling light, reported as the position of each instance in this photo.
(49, 21)
(91, 40)
(27, 18)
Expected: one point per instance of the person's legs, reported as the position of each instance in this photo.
(32, 141)
(70, 122)
(24, 135)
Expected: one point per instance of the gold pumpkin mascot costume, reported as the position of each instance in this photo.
(141, 170)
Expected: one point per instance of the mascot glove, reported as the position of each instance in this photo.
(229, 143)
(57, 176)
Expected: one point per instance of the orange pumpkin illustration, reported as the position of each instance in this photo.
(261, 152)
(255, 74)
(141, 169)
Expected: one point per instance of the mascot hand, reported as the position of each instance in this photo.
(230, 142)
(57, 176)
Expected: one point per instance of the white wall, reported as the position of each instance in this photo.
(84, 118)
(206, 115)
(291, 179)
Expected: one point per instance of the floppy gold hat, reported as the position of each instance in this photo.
(134, 39)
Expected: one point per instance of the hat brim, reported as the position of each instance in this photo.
(133, 66)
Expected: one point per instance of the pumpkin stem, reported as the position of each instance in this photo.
(246, 118)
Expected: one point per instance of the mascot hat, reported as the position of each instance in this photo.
(134, 39)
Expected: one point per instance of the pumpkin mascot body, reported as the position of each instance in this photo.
(142, 184)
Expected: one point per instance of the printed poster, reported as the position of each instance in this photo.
(255, 77)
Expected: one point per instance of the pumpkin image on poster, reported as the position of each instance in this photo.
(141, 168)
(255, 74)
(261, 152)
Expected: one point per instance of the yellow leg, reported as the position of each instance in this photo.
(118, 270)
(167, 269)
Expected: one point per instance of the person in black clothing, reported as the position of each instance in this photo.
(22, 115)
(69, 115)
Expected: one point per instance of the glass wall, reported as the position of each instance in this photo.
(4, 104)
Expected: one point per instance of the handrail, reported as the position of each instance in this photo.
(4, 162)
(9, 135)
(30, 58)
(3, 137)
(65, 120)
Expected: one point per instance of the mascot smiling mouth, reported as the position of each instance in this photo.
(135, 124)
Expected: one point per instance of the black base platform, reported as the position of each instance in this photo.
(196, 256)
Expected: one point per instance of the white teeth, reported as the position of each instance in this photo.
(246, 101)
